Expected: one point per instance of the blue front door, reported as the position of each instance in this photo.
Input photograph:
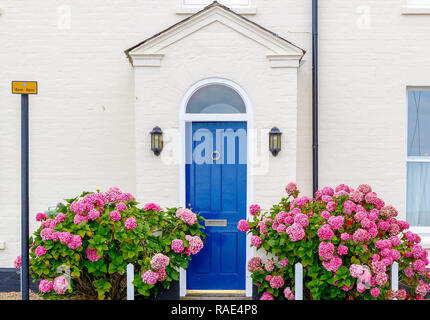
(216, 188)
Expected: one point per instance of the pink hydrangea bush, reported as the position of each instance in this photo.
(93, 237)
(347, 241)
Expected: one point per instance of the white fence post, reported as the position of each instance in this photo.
(395, 277)
(298, 275)
(130, 278)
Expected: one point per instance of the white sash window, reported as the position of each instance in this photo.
(231, 3)
(418, 163)
(418, 3)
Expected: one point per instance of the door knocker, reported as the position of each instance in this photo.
(216, 155)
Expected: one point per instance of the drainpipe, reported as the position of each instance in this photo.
(315, 94)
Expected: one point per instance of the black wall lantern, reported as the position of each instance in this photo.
(275, 141)
(156, 140)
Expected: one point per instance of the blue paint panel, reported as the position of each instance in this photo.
(217, 190)
(229, 247)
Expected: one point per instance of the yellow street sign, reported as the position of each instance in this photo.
(24, 87)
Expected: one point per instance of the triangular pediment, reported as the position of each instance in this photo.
(280, 52)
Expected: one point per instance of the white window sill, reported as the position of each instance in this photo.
(424, 233)
(415, 10)
(239, 10)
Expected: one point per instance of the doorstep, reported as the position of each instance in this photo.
(215, 295)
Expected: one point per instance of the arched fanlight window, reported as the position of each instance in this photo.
(216, 98)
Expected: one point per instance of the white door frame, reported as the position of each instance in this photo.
(185, 118)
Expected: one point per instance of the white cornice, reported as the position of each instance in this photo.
(281, 52)
(284, 60)
(146, 59)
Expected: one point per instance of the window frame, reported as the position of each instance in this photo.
(222, 85)
(189, 9)
(422, 231)
(415, 9)
(204, 3)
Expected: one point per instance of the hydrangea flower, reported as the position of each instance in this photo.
(326, 250)
(333, 264)
(162, 275)
(65, 236)
(115, 215)
(356, 270)
(130, 223)
(186, 216)
(40, 216)
(336, 222)
(121, 206)
(364, 188)
(361, 235)
(92, 255)
(419, 265)
(285, 263)
(269, 266)
(93, 214)
(60, 218)
(150, 277)
(301, 219)
(266, 296)
(422, 289)
(254, 263)
(46, 234)
(344, 236)
(361, 287)
(288, 294)
(46, 286)
(388, 211)
(325, 232)
(75, 242)
(243, 226)
(331, 206)
(276, 282)
(291, 188)
(327, 191)
(40, 251)
(18, 262)
(281, 228)
(296, 232)
(356, 196)
(60, 285)
(342, 250)
(159, 261)
(79, 219)
(325, 214)
(49, 223)
(256, 241)
(401, 294)
(196, 244)
(177, 245)
(152, 206)
(381, 278)
(280, 217)
(254, 209)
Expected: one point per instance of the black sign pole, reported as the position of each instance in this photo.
(25, 280)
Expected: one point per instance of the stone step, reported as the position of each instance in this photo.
(234, 297)
(215, 295)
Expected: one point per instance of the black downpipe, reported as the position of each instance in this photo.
(315, 93)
